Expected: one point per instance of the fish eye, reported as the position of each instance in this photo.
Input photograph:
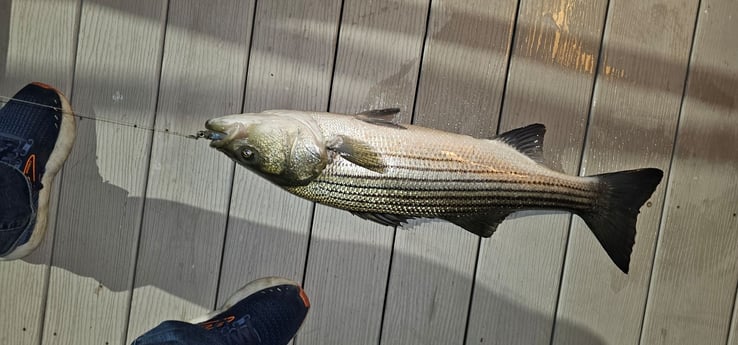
(247, 154)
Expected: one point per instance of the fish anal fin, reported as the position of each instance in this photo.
(484, 224)
(528, 140)
(382, 117)
(384, 218)
(357, 152)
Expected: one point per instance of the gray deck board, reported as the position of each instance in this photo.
(24, 48)
(153, 226)
(692, 292)
(556, 43)
(377, 64)
(183, 228)
(634, 115)
(460, 89)
(290, 67)
(116, 72)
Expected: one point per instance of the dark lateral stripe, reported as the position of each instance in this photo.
(416, 207)
(444, 186)
(488, 197)
(543, 181)
(459, 201)
(436, 203)
(460, 181)
(457, 194)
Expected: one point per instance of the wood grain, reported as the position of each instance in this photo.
(632, 125)
(290, 67)
(116, 71)
(24, 50)
(183, 228)
(692, 293)
(550, 81)
(178, 223)
(377, 63)
(461, 85)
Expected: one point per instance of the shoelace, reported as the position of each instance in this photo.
(240, 332)
(12, 149)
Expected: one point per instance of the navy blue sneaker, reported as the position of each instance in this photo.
(37, 130)
(267, 311)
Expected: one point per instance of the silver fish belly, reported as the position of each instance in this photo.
(390, 173)
(436, 174)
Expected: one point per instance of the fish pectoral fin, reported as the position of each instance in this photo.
(357, 152)
(480, 224)
(382, 117)
(528, 140)
(384, 218)
(384, 112)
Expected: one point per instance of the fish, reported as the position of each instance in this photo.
(387, 172)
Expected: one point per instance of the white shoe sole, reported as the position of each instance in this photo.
(250, 289)
(62, 148)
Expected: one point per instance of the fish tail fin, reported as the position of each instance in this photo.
(613, 218)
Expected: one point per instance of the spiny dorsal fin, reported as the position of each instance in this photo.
(483, 224)
(383, 117)
(357, 152)
(528, 140)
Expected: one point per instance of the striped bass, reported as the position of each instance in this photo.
(389, 173)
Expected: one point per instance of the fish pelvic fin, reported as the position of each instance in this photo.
(483, 225)
(613, 218)
(528, 140)
(384, 218)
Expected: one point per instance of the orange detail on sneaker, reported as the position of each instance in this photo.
(45, 86)
(217, 323)
(30, 168)
(304, 298)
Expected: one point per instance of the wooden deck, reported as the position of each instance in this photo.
(149, 225)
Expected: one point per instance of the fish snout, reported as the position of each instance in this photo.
(216, 125)
(220, 131)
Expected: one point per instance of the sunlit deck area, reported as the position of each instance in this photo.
(149, 225)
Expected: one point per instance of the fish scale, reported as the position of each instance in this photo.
(430, 173)
(388, 173)
(342, 185)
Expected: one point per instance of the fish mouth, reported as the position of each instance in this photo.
(215, 137)
(217, 132)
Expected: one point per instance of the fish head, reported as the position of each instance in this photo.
(286, 150)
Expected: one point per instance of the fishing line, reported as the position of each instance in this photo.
(198, 135)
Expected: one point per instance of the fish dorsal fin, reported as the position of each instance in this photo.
(528, 140)
(483, 224)
(382, 117)
(357, 152)
(384, 218)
